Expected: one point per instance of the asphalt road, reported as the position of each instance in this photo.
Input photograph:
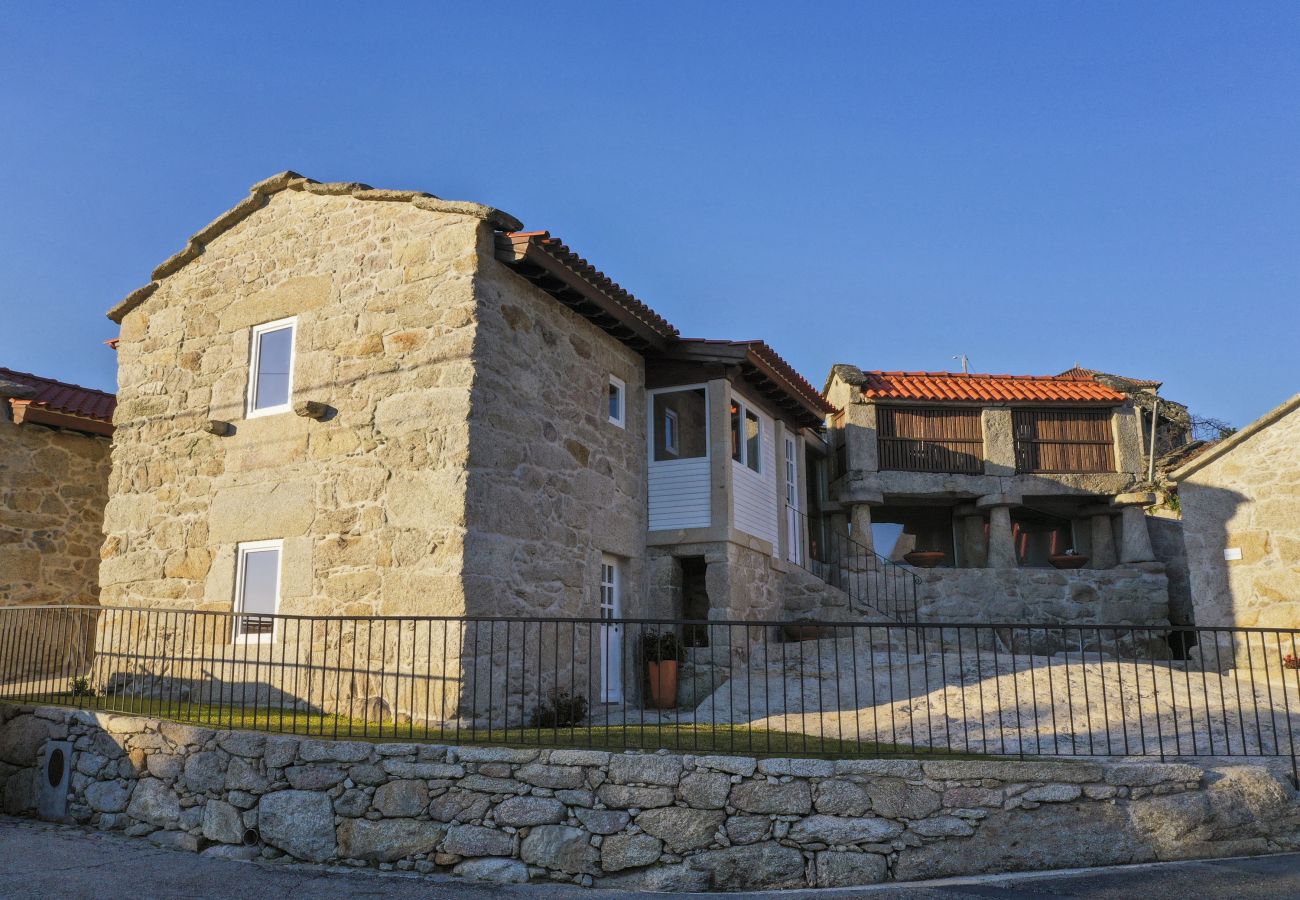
(39, 861)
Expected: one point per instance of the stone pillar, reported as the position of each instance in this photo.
(861, 519)
(861, 451)
(1103, 542)
(720, 452)
(999, 441)
(1001, 548)
(974, 543)
(1135, 539)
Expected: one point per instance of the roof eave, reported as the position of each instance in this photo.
(530, 260)
(24, 411)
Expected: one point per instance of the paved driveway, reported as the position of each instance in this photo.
(41, 861)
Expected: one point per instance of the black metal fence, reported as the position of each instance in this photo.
(871, 582)
(820, 689)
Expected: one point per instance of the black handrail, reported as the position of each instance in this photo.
(869, 579)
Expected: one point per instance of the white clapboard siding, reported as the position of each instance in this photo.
(679, 494)
(755, 492)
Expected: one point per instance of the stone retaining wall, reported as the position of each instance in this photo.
(635, 820)
(1130, 595)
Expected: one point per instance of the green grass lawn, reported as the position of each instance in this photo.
(691, 737)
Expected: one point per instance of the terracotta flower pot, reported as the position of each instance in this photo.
(663, 683)
(1066, 561)
(801, 631)
(924, 559)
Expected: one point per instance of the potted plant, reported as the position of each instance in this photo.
(663, 652)
(1290, 662)
(802, 629)
(1070, 559)
(924, 559)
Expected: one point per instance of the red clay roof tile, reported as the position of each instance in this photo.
(61, 397)
(959, 387)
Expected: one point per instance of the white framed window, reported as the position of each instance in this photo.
(611, 630)
(671, 445)
(746, 435)
(617, 402)
(270, 367)
(257, 590)
(677, 423)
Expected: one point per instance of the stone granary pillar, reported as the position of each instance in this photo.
(1001, 547)
(974, 543)
(1103, 537)
(860, 517)
(1135, 539)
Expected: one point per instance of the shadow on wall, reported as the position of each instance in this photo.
(1206, 514)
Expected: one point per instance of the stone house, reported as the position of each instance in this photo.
(345, 401)
(54, 467)
(999, 473)
(1241, 503)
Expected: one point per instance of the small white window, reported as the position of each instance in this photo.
(670, 432)
(746, 436)
(617, 402)
(270, 368)
(257, 590)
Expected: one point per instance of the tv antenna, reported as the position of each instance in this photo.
(965, 363)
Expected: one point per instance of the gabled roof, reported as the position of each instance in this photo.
(773, 377)
(1137, 383)
(1236, 439)
(46, 401)
(978, 388)
(536, 255)
(258, 197)
(548, 263)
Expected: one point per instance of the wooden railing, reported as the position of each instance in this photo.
(1064, 441)
(930, 439)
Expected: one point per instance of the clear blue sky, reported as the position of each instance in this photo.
(1034, 184)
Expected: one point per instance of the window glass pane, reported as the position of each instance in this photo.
(753, 452)
(615, 402)
(260, 570)
(274, 349)
(257, 591)
(688, 413)
(737, 448)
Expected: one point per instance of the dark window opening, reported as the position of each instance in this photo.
(695, 599)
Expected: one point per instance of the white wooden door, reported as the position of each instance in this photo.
(793, 532)
(611, 631)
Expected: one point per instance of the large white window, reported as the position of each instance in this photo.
(270, 368)
(257, 590)
(746, 436)
(617, 402)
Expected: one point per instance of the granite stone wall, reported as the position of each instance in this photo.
(634, 821)
(552, 484)
(53, 487)
(1127, 595)
(370, 500)
(1247, 501)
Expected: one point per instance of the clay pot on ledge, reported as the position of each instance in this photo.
(924, 559)
(1068, 560)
